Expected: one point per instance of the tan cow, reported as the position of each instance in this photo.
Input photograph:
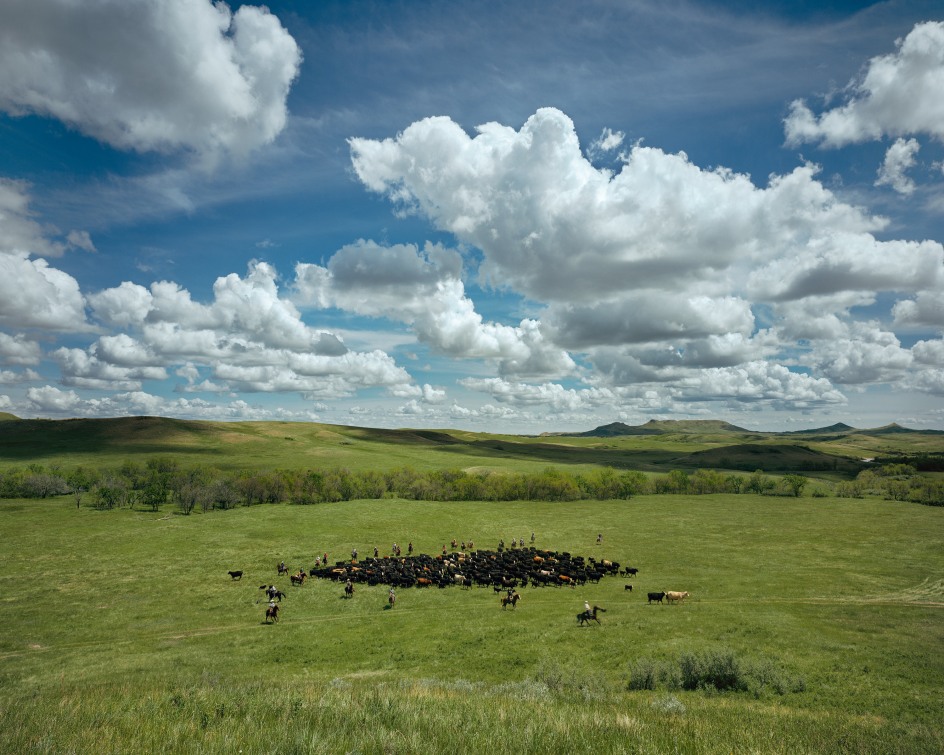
(674, 597)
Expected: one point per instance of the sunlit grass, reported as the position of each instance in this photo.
(124, 633)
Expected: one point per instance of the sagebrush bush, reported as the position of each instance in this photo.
(643, 675)
(713, 671)
(716, 669)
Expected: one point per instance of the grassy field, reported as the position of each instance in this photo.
(298, 445)
(123, 632)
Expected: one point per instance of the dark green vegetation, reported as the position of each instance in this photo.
(153, 461)
(814, 623)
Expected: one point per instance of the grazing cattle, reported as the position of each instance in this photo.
(628, 587)
(585, 617)
(629, 571)
(675, 597)
(235, 574)
(510, 569)
(272, 612)
(298, 579)
(656, 596)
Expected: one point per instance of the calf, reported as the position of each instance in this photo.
(235, 574)
(628, 587)
(656, 596)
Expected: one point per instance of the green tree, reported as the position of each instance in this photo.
(80, 480)
(796, 483)
(759, 483)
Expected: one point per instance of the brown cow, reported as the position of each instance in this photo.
(675, 597)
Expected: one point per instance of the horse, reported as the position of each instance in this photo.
(283, 569)
(510, 600)
(272, 612)
(585, 617)
(391, 598)
(349, 589)
(298, 579)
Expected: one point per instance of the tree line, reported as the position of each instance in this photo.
(163, 481)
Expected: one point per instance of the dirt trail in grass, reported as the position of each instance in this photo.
(927, 593)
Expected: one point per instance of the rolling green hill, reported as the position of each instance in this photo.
(656, 446)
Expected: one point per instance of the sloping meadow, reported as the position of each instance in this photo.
(812, 625)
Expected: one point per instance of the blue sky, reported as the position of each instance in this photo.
(517, 217)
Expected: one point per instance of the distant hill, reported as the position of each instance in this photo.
(660, 427)
(4, 416)
(896, 429)
(616, 429)
(838, 428)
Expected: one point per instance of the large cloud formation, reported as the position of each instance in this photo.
(248, 338)
(425, 290)
(898, 95)
(149, 74)
(33, 294)
(658, 272)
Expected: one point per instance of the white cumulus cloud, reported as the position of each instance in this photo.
(899, 158)
(899, 94)
(149, 74)
(424, 289)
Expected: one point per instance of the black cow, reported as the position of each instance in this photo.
(235, 574)
(656, 596)
(628, 587)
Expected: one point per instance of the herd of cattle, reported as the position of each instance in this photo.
(502, 569)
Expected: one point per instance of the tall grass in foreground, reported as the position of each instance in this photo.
(429, 716)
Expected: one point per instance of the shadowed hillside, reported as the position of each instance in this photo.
(656, 446)
(771, 458)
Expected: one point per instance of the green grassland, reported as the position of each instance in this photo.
(656, 446)
(123, 632)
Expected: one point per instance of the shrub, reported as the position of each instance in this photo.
(643, 675)
(716, 669)
(712, 671)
